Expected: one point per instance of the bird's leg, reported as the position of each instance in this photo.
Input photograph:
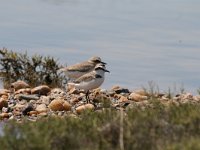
(87, 97)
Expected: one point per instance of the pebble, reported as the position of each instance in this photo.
(4, 92)
(19, 106)
(141, 92)
(33, 113)
(32, 119)
(197, 98)
(23, 91)
(41, 90)
(123, 99)
(4, 97)
(43, 114)
(57, 105)
(187, 96)
(74, 91)
(67, 106)
(82, 108)
(74, 101)
(27, 109)
(3, 103)
(4, 115)
(45, 100)
(19, 85)
(5, 109)
(103, 91)
(60, 113)
(41, 108)
(57, 91)
(11, 117)
(28, 97)
(119, 90)
(70, 87)
(16, 112)
(136, 97)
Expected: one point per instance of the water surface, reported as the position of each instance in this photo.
(141, 40)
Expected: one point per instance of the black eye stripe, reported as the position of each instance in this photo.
(99, 68)
(97, 61)
(98, 76)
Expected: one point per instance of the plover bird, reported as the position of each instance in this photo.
(91, 80)
(75, 71)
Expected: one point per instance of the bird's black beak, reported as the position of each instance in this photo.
(103, 63)
(106, 70)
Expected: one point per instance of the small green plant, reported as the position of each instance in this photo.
(169, 93)
(152, 89)
(34, 70)
(182, 89)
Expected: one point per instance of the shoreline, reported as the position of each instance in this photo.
(33, 103)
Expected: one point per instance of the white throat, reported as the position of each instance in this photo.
(100, 72)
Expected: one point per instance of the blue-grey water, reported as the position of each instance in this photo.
(141, 40)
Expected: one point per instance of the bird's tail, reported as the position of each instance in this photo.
(62, 69)
(71, 84)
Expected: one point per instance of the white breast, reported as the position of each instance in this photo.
(93, 84)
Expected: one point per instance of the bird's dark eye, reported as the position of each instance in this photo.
(97, 61)
(98, 68)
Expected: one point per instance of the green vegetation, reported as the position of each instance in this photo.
(155, 128)
(35, 70)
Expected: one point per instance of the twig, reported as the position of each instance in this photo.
(121, 135)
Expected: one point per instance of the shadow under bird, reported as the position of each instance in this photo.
(75, 71)
(91, 80)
